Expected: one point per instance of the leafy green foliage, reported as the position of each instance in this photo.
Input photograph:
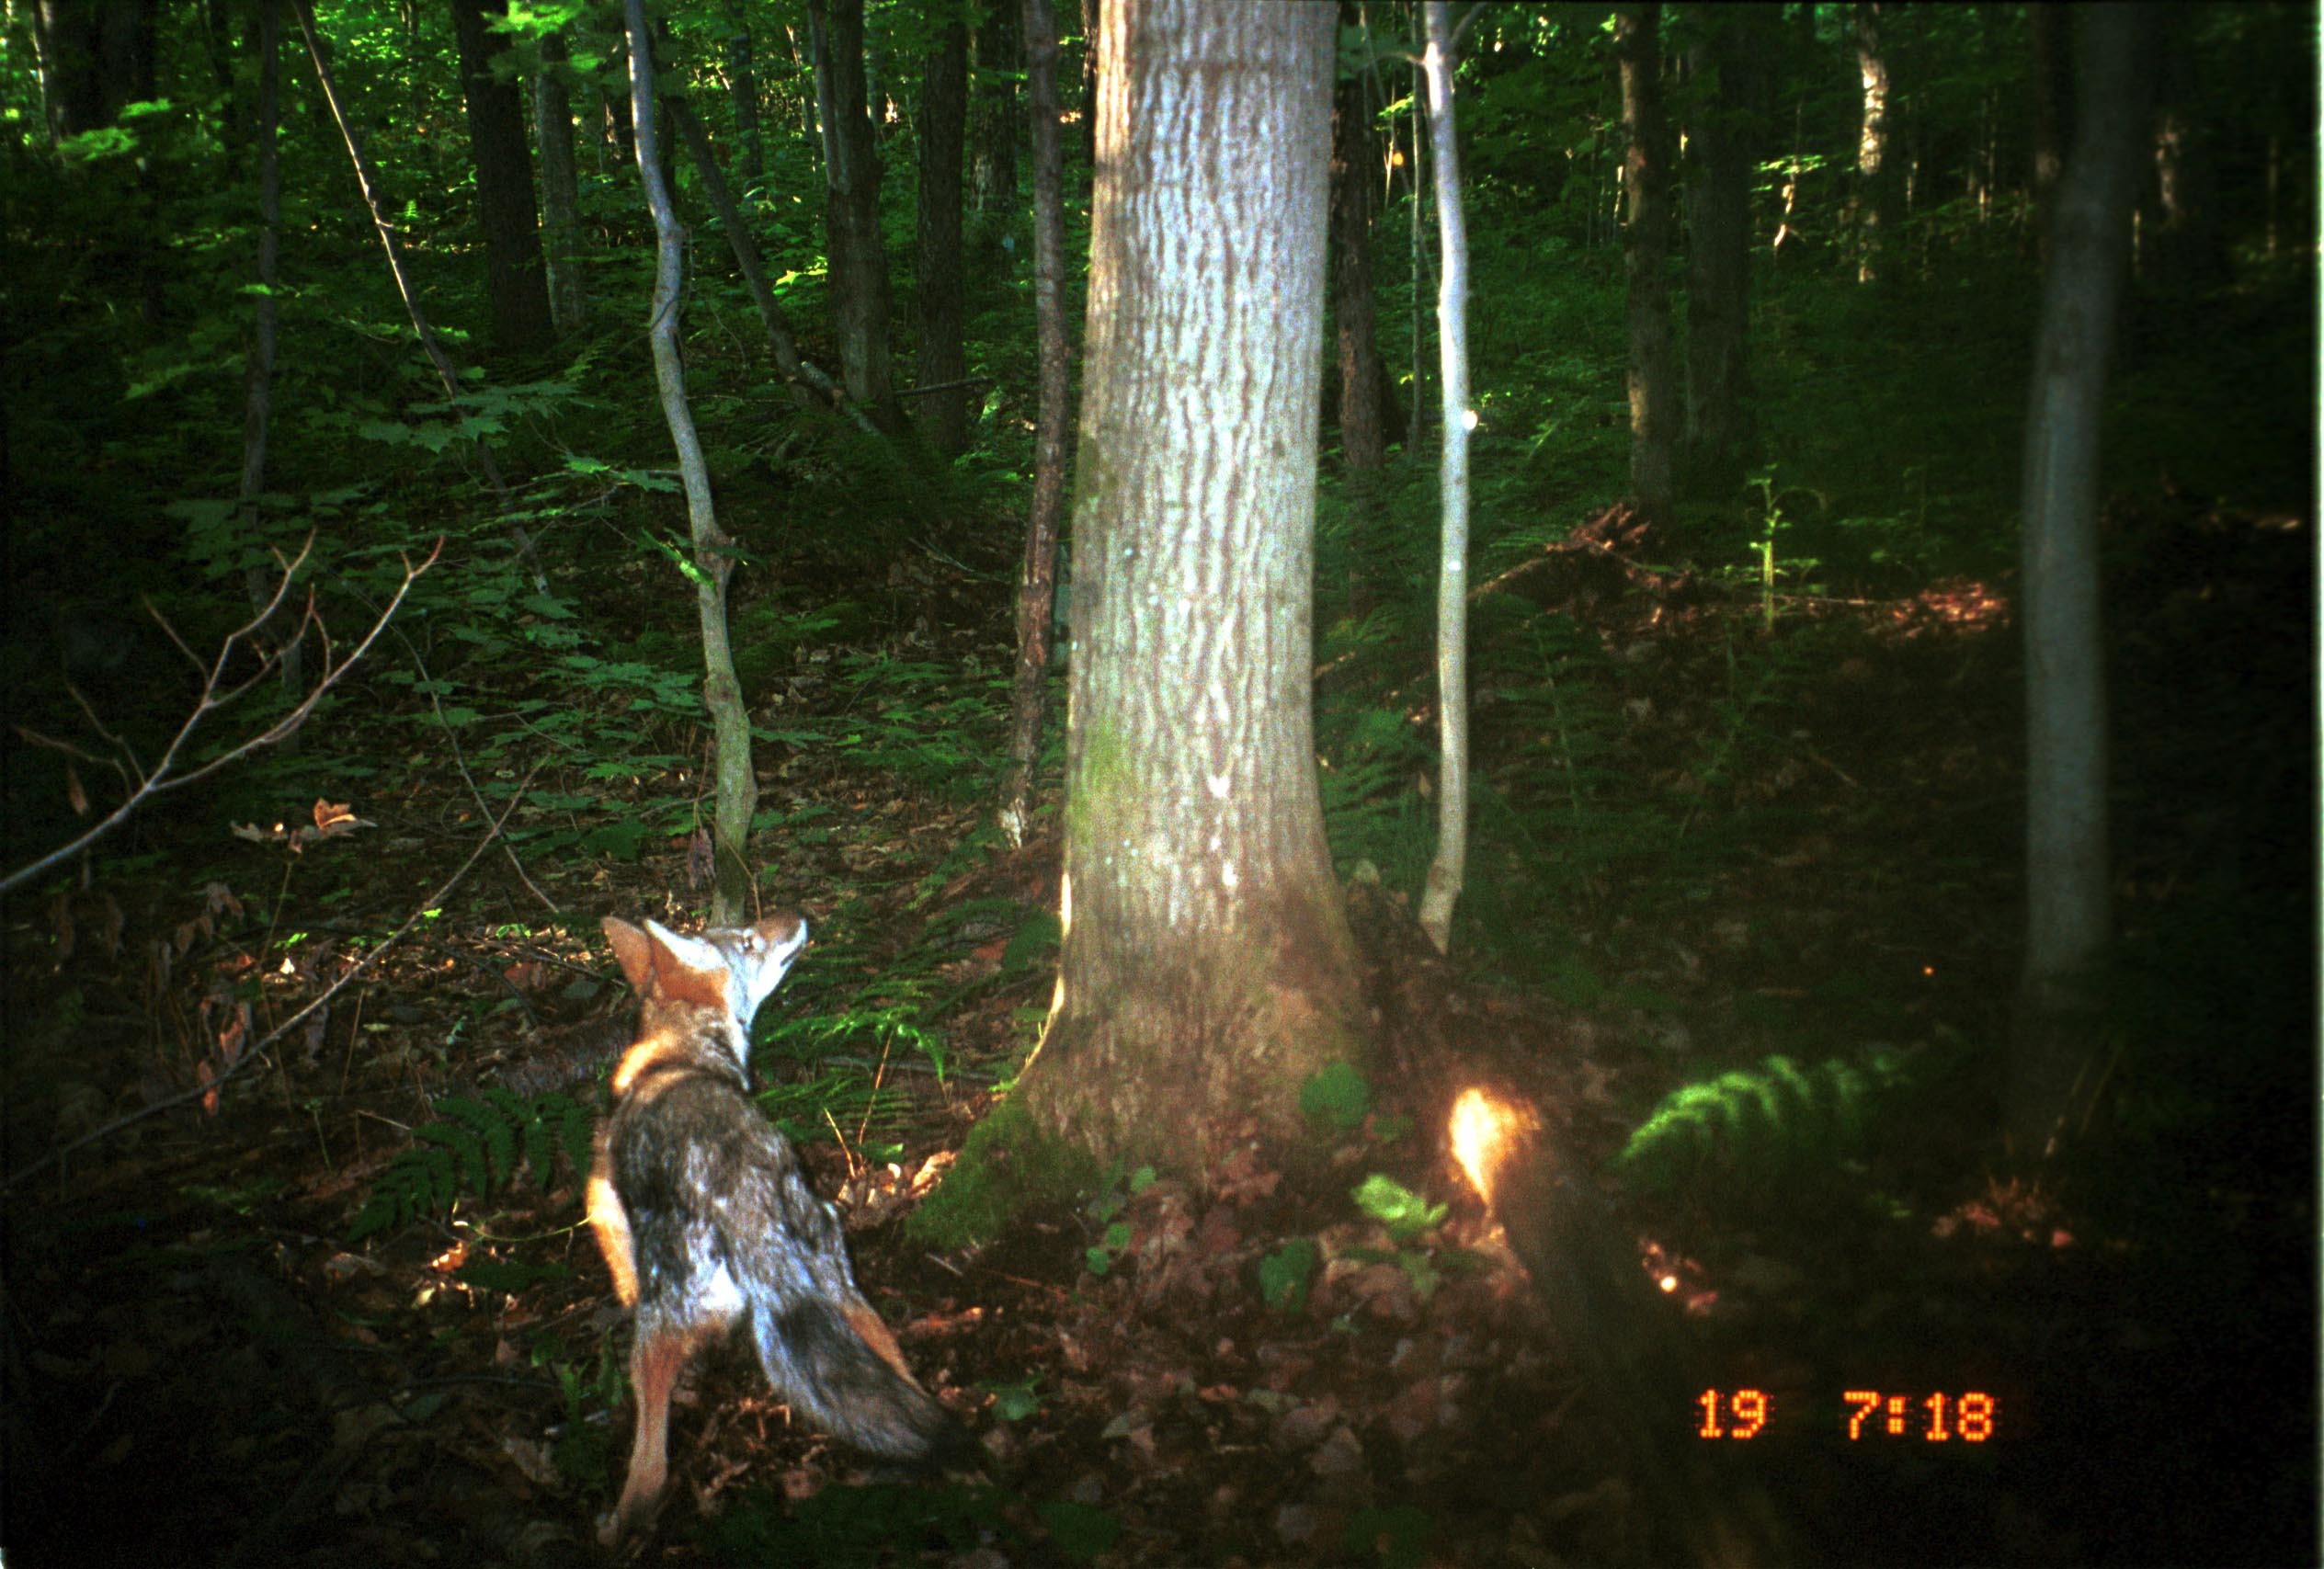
(1370, 755)
(1015, 1401)
(1339, 1096)
(1755, 1127)
(1105, 1207)
(1406, 1213)
(1285, 1274)
(918, 721)
(477, 1145)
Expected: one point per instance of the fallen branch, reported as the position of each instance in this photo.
(215, 695)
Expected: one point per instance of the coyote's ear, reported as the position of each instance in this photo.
(631, 948)
(687, 968)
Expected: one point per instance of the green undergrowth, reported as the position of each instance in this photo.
(478, 1143)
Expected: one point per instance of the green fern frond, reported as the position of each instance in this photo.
(1752, 1125)
(475, 1145)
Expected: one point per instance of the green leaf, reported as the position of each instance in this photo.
(620, 840)
(1403, 1212)
(1339, 1095)
(1015, 1401)
(1285, 1274)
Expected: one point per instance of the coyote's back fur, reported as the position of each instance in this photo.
(706, 1221)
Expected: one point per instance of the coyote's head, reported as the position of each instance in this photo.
(726, 971)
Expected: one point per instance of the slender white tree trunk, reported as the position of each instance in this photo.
(1446, 873)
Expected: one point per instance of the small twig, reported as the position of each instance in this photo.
(879, 1077)
(258, 1048)
(945, 387)
(354, 1034)
(846, 1152)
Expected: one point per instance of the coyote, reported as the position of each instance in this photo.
(706, 1221)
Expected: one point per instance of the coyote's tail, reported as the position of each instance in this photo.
(838, 1365)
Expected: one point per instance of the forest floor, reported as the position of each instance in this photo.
(202, 1368)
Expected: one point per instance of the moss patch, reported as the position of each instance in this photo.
(1007, 1165)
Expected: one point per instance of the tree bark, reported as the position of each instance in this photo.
(998, 58)
(2053, 112)
(1876, 177)
(97, 58)
(516, 284)
(559, 186)
(1727, 129)
(1654, 391)
(258, 374)
(1355, 173)
(2057, 1071)
(1449, 868)
(2190, 243)
(1037, 584)
(942, 358)
(810, 101)
(1207, 970)
(859, 299)
(742, 75)
(1093, 23)
(713, 550)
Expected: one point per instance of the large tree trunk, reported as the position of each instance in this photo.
(1645, 243)
(943, 363)
(2056, 1074)
(1728, 125)
(1207, 969)
(97, 58)
(559, 186)
(517, 284)
(998, 58)
(859, 299)
(1037, 585)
